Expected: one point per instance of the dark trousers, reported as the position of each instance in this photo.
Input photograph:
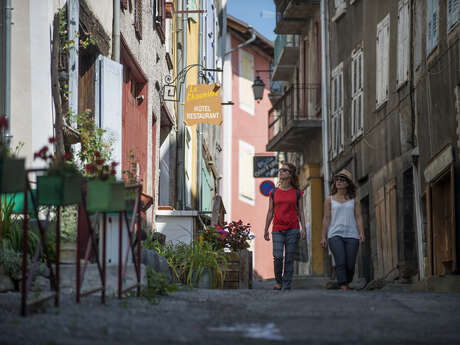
(345, 251)
(284, 249)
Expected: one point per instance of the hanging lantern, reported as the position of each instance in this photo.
(258, 87)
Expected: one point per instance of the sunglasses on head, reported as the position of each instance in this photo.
(283, 170)
(341, 179)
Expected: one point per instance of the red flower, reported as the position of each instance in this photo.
(113, 172)
(114, 164)
(52, 140)
(67, 156)
(100, 161)
(3, 121)
(89, 168)
(97, 154)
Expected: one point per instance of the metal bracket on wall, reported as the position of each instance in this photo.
(169, 89)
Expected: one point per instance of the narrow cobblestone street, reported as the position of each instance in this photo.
(258, 316)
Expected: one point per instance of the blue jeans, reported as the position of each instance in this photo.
(345, 251)
(284, 249)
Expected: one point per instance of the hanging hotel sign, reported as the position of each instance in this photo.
(203, 105)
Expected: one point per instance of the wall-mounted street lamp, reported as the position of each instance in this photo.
(259, 86)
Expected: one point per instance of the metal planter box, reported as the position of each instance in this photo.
(105, 196)
(59, 190)
(12, 175)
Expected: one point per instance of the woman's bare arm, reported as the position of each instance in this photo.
(326, 221)
(303, 232)
(359, 220)
(268, 219)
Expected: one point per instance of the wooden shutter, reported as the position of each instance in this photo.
(342, 127)
(138, 18)
(386, 58)
(403, 42)
(379, 63)
(453, 13)
(379, 229)
(391, 241)
(432, 25)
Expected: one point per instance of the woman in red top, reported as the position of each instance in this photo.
(285, 203)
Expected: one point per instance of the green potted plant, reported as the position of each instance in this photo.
(62, 183)
(12, 169)
(234, 238)
(103, 192)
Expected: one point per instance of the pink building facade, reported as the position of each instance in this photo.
(246, 132)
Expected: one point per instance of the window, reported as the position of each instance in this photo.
(337, 128)
(245, 172)
(192, 5)
(403, 42)
(340, 9)
(453, 13)
(431, 25)
(138, 18)
(159, 18)
(383, 57)
(357, 93)
(246, 79)
(340, 5)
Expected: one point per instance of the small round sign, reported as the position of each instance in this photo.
(266, 187)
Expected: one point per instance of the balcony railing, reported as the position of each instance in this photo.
(292, 14)
(299, 102)
(285, 41)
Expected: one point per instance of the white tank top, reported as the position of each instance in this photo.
(343, 222)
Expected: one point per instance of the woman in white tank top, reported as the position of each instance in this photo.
(343, 226)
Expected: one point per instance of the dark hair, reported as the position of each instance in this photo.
(351, 189)
(293, 172)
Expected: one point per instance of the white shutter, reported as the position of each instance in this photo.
(342, 132)
(354, 83)
(109, 84)
(383, 57)
(386, 59)
(361, 112)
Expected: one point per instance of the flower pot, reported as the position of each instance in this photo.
(12, 175)
(68, 253)
(204, 281)
(105, 196)
(18, 199)
(59, 190)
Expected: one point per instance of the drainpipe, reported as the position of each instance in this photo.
(180, 167)
(199, 127)
(74, 26)
(8, 68)
(116, 31)
(415, 155)
(324, 88)
(249, 41)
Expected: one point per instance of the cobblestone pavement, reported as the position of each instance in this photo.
(258, 316)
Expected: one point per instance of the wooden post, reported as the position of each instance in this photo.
(56, 90)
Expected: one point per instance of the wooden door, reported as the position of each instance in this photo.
(443, 225)
(386, 230)
(379, 230)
